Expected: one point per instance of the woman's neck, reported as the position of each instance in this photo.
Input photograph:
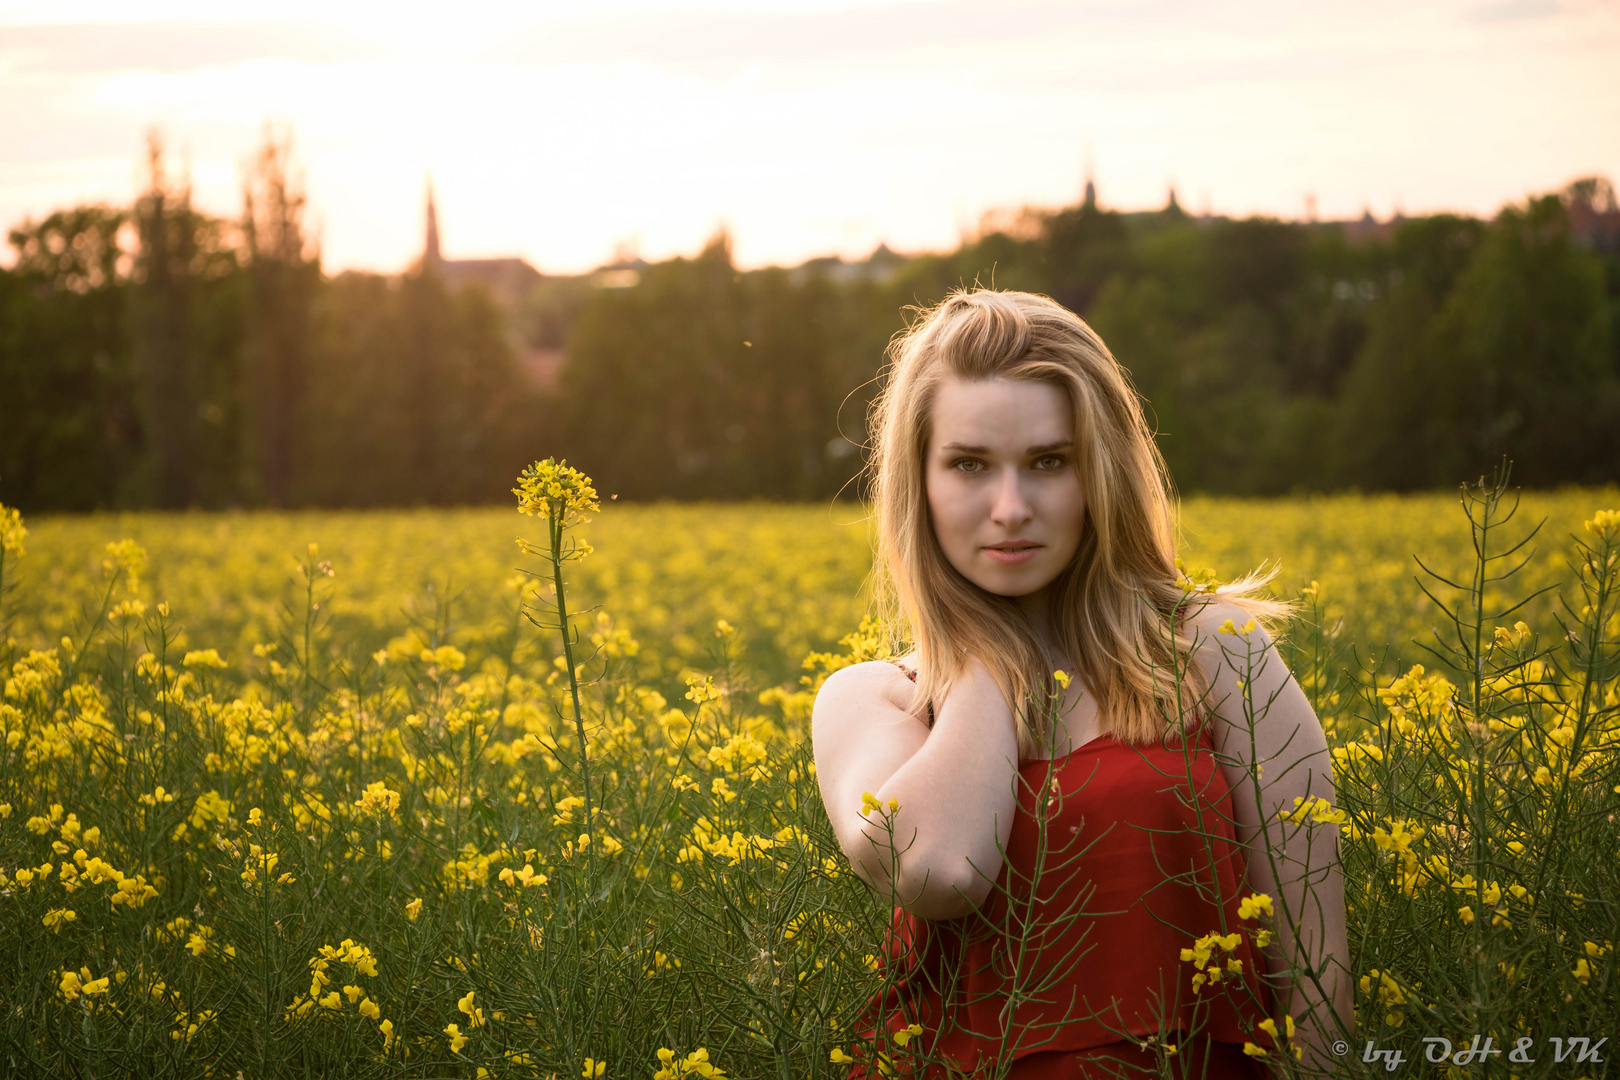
(1035, 608)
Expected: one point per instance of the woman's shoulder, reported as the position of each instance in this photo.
(889, 679)
(1218, 617)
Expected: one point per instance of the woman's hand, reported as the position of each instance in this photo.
(953, 788)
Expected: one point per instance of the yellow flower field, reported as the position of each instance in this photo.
(308, 794)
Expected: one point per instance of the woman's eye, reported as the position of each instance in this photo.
(967, 465)
(1050, 462)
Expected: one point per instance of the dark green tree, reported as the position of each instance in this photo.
(284, 274)
(68, 426)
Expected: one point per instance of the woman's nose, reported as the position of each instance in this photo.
(1011, 508)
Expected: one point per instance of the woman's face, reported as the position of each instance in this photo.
(1005, 496)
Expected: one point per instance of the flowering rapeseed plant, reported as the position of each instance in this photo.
(141, 792)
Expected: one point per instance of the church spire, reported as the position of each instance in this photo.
(430, 252)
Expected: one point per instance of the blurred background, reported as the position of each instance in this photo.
(345, 255)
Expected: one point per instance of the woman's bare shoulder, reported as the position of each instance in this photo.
(873, 682)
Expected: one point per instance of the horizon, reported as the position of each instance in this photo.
(812, 129)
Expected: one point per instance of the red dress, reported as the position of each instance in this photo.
(1131, 860)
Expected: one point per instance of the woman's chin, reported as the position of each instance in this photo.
(1012, 586)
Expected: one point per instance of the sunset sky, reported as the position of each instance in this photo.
(562, 132)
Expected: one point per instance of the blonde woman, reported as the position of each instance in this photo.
(1054, 842)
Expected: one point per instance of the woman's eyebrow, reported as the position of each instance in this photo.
(1034, 451)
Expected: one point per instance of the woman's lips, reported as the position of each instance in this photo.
(1010, 555)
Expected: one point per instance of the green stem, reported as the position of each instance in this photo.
(573, 684)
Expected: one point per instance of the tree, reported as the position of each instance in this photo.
(284, 271)
(187, 336)
(67, 424)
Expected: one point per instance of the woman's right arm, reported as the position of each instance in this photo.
(955, 785)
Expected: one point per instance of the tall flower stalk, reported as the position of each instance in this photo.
(562, 496)
(12, 534)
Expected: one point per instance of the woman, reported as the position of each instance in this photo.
(1075, 779)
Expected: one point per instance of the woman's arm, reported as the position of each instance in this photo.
(954, 784)
(1273, 752)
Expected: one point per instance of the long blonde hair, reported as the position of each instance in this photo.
(1114, 608)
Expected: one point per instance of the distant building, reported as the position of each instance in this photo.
(1594, 214)
(1367, 228)
(508, 279)
(509, 282)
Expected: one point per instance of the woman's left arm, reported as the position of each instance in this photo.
(1273, 752)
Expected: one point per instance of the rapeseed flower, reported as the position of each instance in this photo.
(1605, 525)
(474, 1014)
(379, 799)
(906, 1034)
(1251, 907)
(12, 532)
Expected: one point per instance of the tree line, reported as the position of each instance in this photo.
(160, 357)
(156, 356)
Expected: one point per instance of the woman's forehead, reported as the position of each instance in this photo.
(1009, 415)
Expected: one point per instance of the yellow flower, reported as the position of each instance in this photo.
(907, 1033)
(1061, 678)
(57, 917)
(870, 803)
(551, 489)
(12, 532)
(1254, 1051)
(593, 1069)
(838, 1057)
(379, 800)
(387, 1028)
(474, 1014)
(1605, 525)
(1465, 913)
(332, 1001)
(457, 1039)
(1251, 907)
(413, 909)
(368, 1009)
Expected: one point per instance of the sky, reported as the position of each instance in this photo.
(569, 133)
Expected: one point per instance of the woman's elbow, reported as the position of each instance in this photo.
(946, 889)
